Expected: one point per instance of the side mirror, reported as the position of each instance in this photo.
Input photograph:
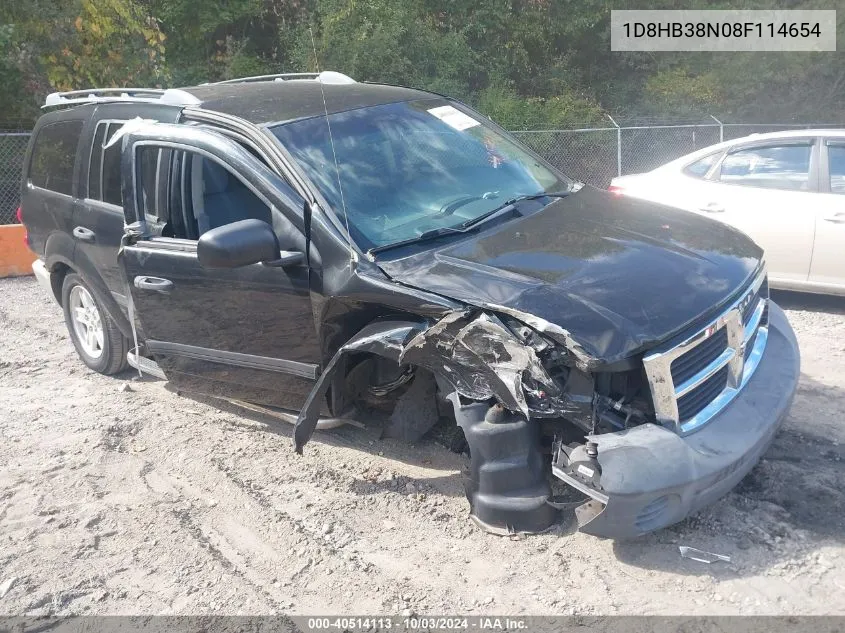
(238, 244)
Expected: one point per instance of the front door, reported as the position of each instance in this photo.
(247, 332)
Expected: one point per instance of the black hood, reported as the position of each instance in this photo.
(618, 274)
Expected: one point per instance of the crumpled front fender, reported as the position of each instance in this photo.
(471, 350)
(383, 338)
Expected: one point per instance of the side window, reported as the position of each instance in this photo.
(772, 167)
(95, 163)
(185, 194)
(104, 165)
(111, 168)
(53, 156)
(699, 168)
(836, 162)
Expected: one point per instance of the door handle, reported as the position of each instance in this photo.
(83, 234)
(156, 284)
(713, 207)
(836, 218)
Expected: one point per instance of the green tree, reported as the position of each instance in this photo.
(70, 44)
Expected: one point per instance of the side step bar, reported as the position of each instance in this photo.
(323, 424)
(145, 365)
(148, 366)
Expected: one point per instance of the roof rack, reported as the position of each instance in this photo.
(102, 95)
(325, 77)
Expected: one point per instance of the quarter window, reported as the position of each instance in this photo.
(699, 168)
(772, 167)
(53, 156)
(836, 161)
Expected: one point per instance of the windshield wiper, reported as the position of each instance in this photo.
(422, 237)
(432, 234)
(508, 205)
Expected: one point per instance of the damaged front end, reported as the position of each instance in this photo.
(531, 401)
(518, 396)
(515, 394)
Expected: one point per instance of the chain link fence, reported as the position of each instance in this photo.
(596, 155)
(12, 149)
(592, 155)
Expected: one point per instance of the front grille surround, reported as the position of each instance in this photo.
(692, 381)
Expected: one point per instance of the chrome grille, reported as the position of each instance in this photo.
(692, 381)
(749, 347)
(692, 402)
(689, 364)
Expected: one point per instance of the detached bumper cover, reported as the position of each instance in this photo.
(653, 477)
(43, 276)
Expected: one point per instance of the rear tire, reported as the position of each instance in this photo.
(95, 335)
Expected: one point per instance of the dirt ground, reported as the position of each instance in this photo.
(139, 501)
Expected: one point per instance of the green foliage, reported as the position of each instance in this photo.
(526, 63)
(676, 90)
(111, 42)
(69, 44)
(515, 112)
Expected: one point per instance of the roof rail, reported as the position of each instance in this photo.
(102, 95)
(325, 77)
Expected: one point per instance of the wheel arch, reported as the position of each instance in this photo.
(60, 267)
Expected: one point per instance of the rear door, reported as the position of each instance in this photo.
(767, 190)
(50, 189)
(247, 332)
(828, 266)
(98, 217)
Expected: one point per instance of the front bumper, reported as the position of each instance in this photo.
(652, 477)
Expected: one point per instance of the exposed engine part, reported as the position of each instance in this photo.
(615, 415)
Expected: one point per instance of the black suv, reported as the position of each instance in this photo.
(311, 243)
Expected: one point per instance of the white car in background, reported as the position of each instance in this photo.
(784, 189)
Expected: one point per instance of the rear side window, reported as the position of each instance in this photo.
(104, 168)
(771, 167)
(836, 160)
(53, 155)
(699, 168)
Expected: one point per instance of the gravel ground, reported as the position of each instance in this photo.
(138, 501)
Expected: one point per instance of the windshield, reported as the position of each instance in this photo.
(412, 167)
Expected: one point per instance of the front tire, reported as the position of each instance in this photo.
(95, 335)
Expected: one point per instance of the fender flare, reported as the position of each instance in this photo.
(59, 250)
(53, 264)
(95, 283)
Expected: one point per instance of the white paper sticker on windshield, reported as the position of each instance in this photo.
(453, 117)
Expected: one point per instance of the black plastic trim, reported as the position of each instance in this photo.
(265, 363)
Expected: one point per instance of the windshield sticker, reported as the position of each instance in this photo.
(453, 117)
